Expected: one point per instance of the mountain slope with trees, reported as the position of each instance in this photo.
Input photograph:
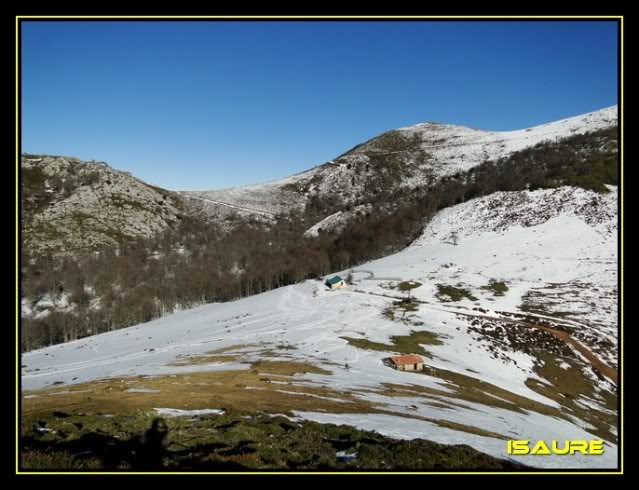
(183, 256)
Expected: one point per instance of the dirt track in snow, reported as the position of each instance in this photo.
(590, 356)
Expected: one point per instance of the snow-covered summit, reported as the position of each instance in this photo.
(460, 148)
(402, 159)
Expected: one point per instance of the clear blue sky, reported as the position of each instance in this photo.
(203, 105)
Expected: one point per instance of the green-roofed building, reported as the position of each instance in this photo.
(335, 282)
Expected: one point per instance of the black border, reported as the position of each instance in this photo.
(387, 18)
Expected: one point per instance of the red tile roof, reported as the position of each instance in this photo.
(407, 359)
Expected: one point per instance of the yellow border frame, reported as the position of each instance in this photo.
(320, 17)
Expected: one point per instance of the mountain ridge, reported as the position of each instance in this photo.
(428, 153)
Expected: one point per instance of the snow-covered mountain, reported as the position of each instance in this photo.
(514, 314)
(404, 158)
(70, 205)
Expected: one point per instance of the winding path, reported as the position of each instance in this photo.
(606, 370)
(231, 206)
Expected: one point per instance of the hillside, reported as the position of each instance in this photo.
(70, 206)
(514, 315)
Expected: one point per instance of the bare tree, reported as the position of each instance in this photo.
(453, 238)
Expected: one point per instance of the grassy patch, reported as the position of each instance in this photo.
(467, 389)
(205, 359)
(289, 368)
(497, 287)
(541, 309)
(448, 294)
(469, 429)
(407, 286)
(230, 442)
(470, 389)
(402, 344)
(457, 387)
(38, 459)
(221, 355)
(389, 313)
(406, 305)
(218, 389)
(229, 348)
(568, 386)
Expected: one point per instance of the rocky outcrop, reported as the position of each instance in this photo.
(70, 205)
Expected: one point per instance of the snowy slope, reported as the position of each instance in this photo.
(571, 240)
(557, 247)
(337, 221)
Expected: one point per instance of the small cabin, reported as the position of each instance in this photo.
(335, 282)
(411, 362)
